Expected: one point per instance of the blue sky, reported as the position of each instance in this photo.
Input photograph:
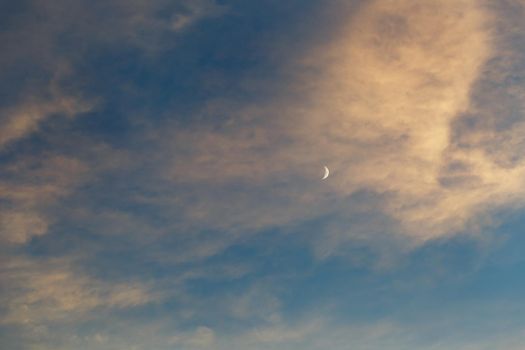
(161, 165)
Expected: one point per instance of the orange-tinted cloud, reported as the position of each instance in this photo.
(379, 105)
(52, 290)
(29, 188)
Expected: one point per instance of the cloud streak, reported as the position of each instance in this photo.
(183, 215)
(380, 105)
(29, 188)
(37, 292)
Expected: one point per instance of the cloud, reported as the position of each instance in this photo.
(24, 119)
(36, 292)
(313, 334)
(380, 104)
(281, 333)
(29, 188)
(46, 44)
(202, 338)
(400, 103)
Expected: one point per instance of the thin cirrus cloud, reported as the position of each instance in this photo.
(29, 188)
(52, 290)
(204, 224)
(44, 95)
(33, 187)
(24, 119)
(53, 95)
(380, 105)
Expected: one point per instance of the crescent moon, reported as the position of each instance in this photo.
(326, 173)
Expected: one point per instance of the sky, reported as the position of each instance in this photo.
(161, 169)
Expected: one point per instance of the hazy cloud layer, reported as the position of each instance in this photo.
(160, 181)
(51, 290)
(29, 188)
(382, 105)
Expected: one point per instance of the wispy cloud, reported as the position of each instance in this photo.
(36, 292)
(168, 231)
(29, 188)
(24, 119)
(381, 109)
